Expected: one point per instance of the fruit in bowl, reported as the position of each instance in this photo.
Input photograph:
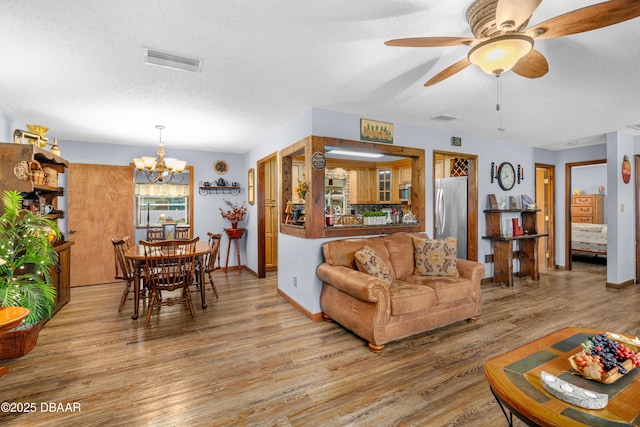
(604, 358)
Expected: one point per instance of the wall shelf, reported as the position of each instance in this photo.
(214, 189)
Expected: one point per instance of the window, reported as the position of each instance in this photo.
(154, 210)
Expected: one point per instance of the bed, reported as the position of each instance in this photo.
(589, 238)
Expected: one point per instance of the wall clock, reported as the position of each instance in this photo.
(221, 167)
(506, 176)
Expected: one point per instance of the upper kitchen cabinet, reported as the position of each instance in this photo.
(362, 186)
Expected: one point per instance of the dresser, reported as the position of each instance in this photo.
(588, 208)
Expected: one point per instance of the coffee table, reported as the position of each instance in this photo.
(514, 379)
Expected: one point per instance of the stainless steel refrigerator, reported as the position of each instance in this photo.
(451, 211)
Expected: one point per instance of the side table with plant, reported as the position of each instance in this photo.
(26, 246)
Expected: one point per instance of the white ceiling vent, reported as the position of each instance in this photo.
(162, 59)
(446, 117)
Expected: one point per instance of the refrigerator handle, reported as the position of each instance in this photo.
(440, 212)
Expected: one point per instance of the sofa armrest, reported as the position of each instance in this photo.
(470, 270)
(355, 283)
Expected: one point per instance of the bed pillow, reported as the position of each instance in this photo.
(435, 257)
(368, 261)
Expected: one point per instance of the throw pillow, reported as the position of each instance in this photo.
(368, 261)
(435, 257)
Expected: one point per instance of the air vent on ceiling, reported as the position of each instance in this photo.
(162, 59)
(634, 127)
(446, 117)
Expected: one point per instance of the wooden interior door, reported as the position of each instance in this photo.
(271, 214)
(544, 184)
(100, 207)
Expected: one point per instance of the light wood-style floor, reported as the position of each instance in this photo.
(252, 359)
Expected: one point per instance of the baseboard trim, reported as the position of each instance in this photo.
(316, 317)
(620, 285)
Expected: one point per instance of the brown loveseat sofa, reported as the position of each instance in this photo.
(381, 312)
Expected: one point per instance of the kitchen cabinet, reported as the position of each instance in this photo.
(384, 186)
(14, 158)
(298, 175)
(405, 175)
(362, 186)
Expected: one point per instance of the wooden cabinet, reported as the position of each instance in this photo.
(587, 208)
(61, 275)
(405, 175)
(502, 245)
(298, 175)
(362, 186)
(13, 158)
(384, 186)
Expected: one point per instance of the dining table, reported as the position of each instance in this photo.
(136, 255)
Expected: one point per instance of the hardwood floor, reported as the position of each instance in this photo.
(250, 358)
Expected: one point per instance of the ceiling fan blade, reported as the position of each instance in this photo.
(533, 65)
(448, 72)
(587, 19)
(511, 14)
(431, 42)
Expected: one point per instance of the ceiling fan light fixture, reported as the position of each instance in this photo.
(501, 53)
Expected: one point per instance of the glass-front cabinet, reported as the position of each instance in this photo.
(384, 185)
(343, 185)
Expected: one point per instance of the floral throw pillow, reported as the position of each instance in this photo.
(369, 262)
(435, 257)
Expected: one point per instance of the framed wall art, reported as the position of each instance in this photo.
(373, 131)
(251, 186)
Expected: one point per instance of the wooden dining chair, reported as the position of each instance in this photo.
(169, 266)
(155, 234)
(125, 270)
(209, 263)
(182, 233)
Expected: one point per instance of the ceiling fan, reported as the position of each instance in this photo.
(502, 41)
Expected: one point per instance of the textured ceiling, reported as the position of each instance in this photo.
(77, 67)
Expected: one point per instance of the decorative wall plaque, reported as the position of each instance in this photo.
(318, 160)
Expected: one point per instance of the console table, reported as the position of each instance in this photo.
(234, 234)
(502, 246)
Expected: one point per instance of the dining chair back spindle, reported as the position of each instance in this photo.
(155, 234)
(124, 267)
(182, 233)
(169, 266)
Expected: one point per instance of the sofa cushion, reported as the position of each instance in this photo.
(368, 261)
(399, 247)
(342, 252)
(411, 298)
(435, 257)
(447, 289)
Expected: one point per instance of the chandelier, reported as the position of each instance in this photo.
(160, 170)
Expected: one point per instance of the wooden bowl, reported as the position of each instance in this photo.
(12, 317)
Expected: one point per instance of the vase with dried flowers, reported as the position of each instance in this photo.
(235, 214)
(301, 189)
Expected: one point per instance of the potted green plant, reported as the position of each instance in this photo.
(26, 246)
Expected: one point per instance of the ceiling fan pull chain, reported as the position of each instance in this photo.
(498, 102)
